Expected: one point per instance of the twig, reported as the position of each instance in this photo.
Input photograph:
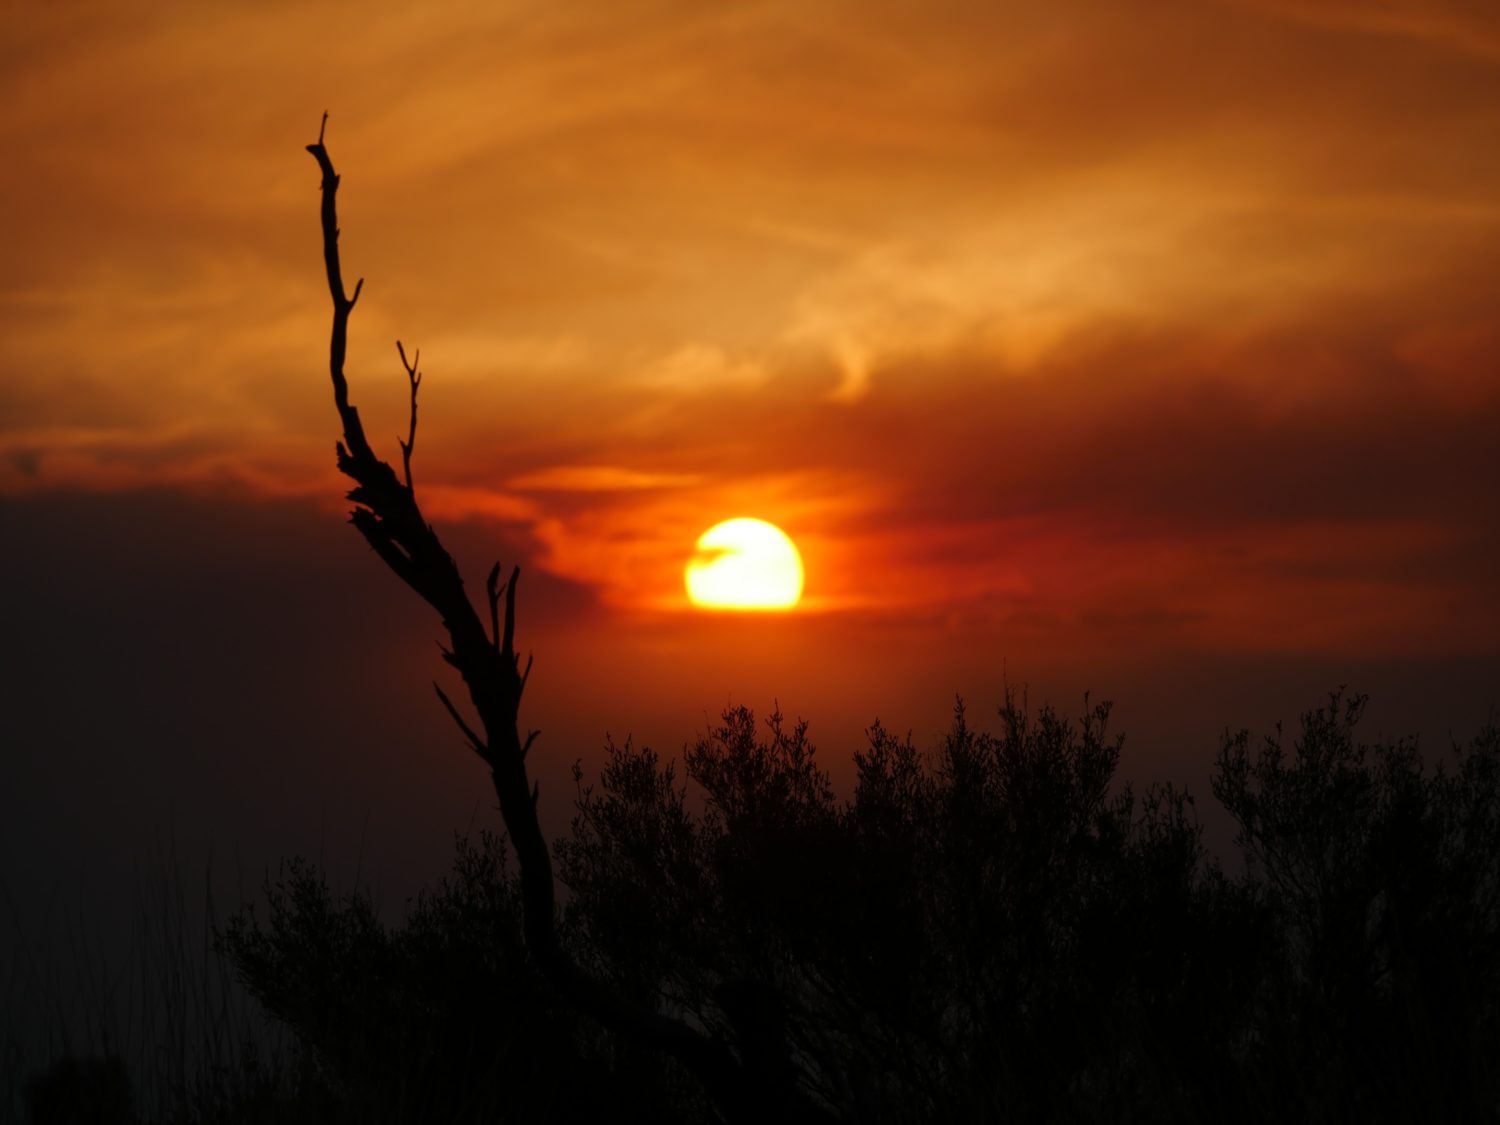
(414, 377)
(492, 591)
(475, 742)
(507, 647)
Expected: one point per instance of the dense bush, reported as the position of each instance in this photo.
(993, 930)
(439, 1019)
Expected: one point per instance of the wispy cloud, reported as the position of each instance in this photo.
(596, 478)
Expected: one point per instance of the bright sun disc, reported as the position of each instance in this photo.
(745, 564)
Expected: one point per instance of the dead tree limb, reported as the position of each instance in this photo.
(414, 377)
(387, 514)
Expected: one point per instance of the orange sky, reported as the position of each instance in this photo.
(1162, 327)
(1141, 347)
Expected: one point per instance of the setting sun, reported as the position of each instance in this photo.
(745, 564)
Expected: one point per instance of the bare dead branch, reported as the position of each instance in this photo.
(507, 646)
(388, 516)
(354, 433)
(414, 377)
(492, 590)
(475, 742)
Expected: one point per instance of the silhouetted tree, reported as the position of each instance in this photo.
(928, 950)
(1383, 882)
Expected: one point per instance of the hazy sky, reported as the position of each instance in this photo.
(1174, 315)
(1150, 348)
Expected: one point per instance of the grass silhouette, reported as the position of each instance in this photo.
(155, 1028)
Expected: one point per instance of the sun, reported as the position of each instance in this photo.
(745, 564)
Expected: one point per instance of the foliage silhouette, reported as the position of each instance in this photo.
(1383, 883)
(994, 930)
(442, 1018)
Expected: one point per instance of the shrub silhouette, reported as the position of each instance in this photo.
(992, 931)
(441, 1018)
(1381, 882)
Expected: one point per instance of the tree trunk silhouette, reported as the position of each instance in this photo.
(387, 514)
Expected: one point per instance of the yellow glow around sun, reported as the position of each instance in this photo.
(745, 564)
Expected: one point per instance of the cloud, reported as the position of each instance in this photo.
(595, 478)
(699, 368)
(1059, 315)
